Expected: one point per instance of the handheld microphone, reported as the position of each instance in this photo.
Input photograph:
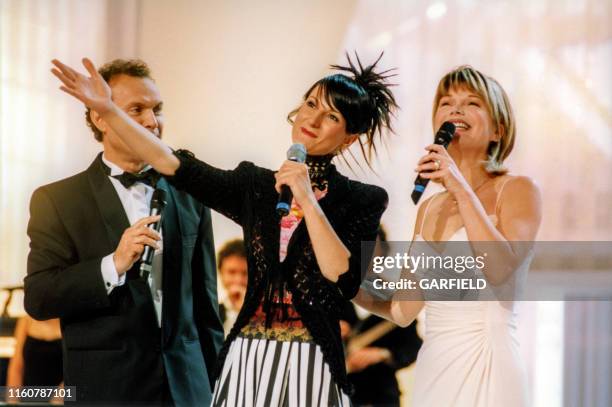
(297, 153)
(158, 203)
(443, 137)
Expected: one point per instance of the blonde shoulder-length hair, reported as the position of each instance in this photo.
(498, 104)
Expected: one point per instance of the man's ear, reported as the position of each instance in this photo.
(97, 121)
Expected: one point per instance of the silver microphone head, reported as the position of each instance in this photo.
(297, 153)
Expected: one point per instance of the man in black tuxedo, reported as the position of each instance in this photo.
(127, 339)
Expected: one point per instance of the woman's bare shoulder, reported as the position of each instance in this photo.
(513, 187)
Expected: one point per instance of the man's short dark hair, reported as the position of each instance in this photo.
(232, 248)
(131, 67)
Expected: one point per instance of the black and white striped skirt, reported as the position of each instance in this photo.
(267, 372)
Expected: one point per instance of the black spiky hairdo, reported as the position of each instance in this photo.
(364, 99)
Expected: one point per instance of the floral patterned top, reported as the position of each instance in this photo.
(291, 327)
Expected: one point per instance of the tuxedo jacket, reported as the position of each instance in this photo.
(114, 350)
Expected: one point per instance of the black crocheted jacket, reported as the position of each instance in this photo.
(247, 196)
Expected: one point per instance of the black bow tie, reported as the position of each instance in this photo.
(127, 179)
(149, 177)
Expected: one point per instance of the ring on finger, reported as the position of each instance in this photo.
(437, 163)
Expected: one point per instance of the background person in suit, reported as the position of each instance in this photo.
(126, 339)
(372, 369)
(233, 273)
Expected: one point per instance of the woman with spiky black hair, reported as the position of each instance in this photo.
(285, 345)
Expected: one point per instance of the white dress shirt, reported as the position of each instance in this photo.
(136, 202)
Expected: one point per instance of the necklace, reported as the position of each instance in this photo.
(475, 189)
(481, 185)
(318, 170)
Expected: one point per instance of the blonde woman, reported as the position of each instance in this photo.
(470, 353)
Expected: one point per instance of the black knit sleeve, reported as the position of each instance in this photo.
(224, 191)
(362, 227)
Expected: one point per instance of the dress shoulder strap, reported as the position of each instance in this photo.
(499, 194)
(425, 212)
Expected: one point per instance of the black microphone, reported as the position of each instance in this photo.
(297, 153)
(443, 138)
(158, 202)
